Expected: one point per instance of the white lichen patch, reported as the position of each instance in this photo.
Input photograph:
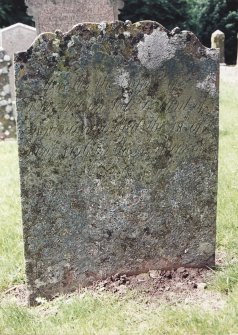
(155, 49)
(71, 43)
(127, 34)
(208, 85)
(102, 27)
(122, 80)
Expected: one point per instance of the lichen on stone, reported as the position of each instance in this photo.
(118, 140)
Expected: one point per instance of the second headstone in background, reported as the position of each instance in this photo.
(13, 39)
(237, 51)
(51, 15)
(218, 42)
(7, 120)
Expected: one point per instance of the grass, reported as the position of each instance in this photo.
(11, 245)
(104, 313)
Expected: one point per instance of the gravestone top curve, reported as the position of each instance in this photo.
(218, 33)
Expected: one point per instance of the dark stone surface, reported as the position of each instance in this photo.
(118, 141)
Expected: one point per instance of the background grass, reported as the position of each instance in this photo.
(104, 313)
(11, 244)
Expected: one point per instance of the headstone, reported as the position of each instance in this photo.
(7, 121)
(13, 39)
(237, 51)
(218, 41)
(118, 141)
(51, 15)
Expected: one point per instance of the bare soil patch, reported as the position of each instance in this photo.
(184, 285)
(17, 293)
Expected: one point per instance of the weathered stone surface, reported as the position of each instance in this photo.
(16, 38)
(118, 139)
(218, 41)
(7, 120)
(51, 15)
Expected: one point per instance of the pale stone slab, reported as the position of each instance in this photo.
(237, 51)
(118, 141)
(218, 41)
(7, 120)
(16, 38)
(51, 15)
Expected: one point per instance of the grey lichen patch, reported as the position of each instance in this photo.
(122, 80)
(208, 85)
(118, 138)
(153, 51)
